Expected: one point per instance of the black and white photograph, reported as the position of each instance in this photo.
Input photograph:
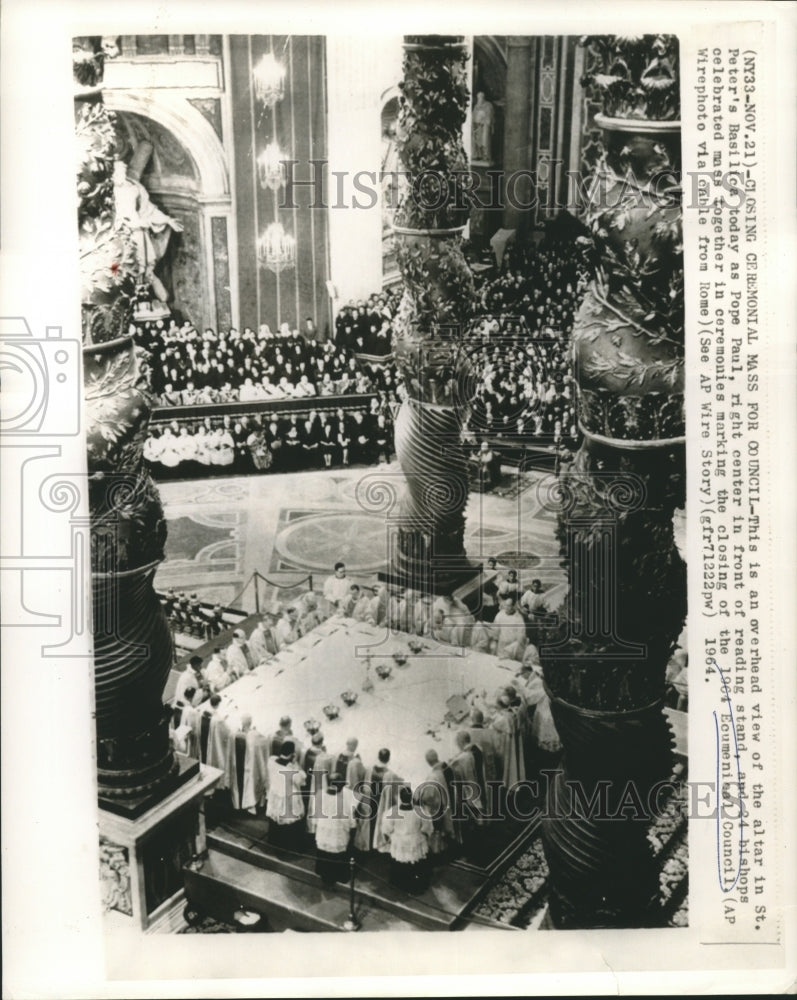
(389, 601)
(418, 400)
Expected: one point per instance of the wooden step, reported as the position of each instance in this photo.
(225, 884)
(441, 907)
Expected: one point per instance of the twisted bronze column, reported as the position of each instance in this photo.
(604, 662)
(438, 301)
(132, 644)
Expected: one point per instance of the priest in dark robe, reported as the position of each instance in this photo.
(378, 794)
(292, 445)
(202, 722)
(219, 748)
(311, 443)
(316, 763)
(348, 766)
(509, 725)
(328, 442)
(284, 806)
(433, 797)
(487, 740)
(468, 804)
(248, 767)
(285, 732)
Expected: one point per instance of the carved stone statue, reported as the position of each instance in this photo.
(150, 226)
(483, 123)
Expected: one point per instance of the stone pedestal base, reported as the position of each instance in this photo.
(187, 768)
(141, 857)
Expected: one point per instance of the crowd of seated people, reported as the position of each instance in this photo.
(541, 285)
(189, 367)
(526, 390)
(271, 442)
(519, 349)
(365, 327)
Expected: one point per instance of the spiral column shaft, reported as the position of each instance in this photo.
(437, 303)
(131, 636)
(604, 662)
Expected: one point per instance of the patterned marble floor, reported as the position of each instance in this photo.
(287, 526)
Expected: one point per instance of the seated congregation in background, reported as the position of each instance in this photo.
(517, 344)
(200, 368)
(287, 441)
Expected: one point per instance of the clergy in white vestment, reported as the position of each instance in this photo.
(216, 672)
(407, 831)
(362, 606)
(336, 587)
(288, 627)
(183, 725)
(377, 609)
(263, 642)
(310, 616)
(334, 822)
(544, 734)
(239, 659)
(480, 638)
(202, 723)
(534, 600)
(349, 603)
(509, 631)
(457, 621)
(423, 615)
(188, 678)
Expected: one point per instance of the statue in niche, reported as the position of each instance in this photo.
(389, 176)
(151, 227)
(483, 123)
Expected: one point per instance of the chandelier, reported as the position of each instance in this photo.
(276, 249)
(269, 76)
(271, 168)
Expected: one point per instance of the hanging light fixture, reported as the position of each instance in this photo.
(276, 249)
(270, 167)
(269, 78)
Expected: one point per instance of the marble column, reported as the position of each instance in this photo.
(517, 154)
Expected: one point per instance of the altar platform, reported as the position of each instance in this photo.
(420, 706)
